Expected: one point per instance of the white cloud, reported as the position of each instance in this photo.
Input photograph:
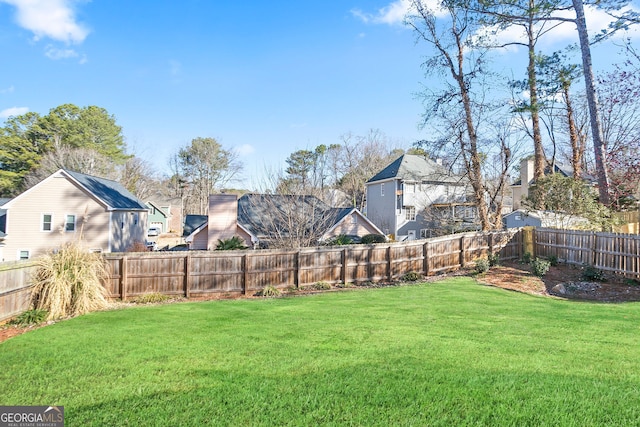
(13, 111)
(245, 150)
(10, 89)
(394, 13)
(55, 53)
(54, 19)
(597, 20)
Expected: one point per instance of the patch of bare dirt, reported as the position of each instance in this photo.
(564, 281)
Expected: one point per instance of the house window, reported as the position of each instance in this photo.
(22, 255)
(518, 218)
(425, 233)
(382, 189)
(409, 187)
(354, 219)
(47, 220)
(70, 223)
(410, 213)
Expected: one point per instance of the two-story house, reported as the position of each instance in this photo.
(406, 198)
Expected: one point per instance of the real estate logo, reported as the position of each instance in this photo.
(31, 416)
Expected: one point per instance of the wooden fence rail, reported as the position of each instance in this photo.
(203, 273)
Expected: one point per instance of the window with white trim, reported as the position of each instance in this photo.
(47, 222)
(70, 223)
(410, 213)
(22, 255)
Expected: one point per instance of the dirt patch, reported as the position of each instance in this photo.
(518, 277)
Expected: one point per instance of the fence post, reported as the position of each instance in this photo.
(490, 243)
(462, 252)
(343, 260)
(594, 258)
(389, 266)
(245, 273)
(296, 279)
(528, 242)
(187, 274)
(425, 259)
(123, 278)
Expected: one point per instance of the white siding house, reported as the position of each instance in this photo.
(397, 196)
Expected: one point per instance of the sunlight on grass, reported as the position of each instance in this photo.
(447, 353)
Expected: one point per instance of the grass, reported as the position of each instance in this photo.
(448, 353)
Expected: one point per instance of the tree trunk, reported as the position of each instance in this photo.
(599, 147)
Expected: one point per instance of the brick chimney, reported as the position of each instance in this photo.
(223, 218)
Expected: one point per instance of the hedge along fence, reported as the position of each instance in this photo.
(199, 274)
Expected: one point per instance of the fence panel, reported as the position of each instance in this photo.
(617, 253)
(15, 288)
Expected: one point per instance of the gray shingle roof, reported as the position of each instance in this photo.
(260, 214)
(110, 192)
(411, 167)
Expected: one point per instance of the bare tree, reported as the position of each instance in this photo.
(462, 65)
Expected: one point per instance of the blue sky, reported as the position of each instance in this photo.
(263, 78)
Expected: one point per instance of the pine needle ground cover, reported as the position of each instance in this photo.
(447, 353)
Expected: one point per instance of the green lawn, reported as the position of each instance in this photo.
(447, 353)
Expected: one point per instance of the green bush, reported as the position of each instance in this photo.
(269, 291)
(150, 298)
(373, 238)
(482, 265)
(69, 282)
(553, 260)
(494, 259)
(411, 276)
(30, 317)
(540, 267)
(527, 258)
(340, 240)
(589, 272)
(318, 286)
(231, 244)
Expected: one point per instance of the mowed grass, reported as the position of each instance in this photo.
(447, 353)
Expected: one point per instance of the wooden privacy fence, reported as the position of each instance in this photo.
(198, 274)
(611, 252)
(15, 288)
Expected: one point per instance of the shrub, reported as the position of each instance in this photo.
(150, 298)
(527, 258)
(590, 272)
(269, 291)
(138, 247)
(321, 286)
(340, 240)
(494, 259)
(411, 276)
(553, 260)
(30, 317)
(540, 267)
(231, 244)
(69, 282)
(482, 265)
(373, 238)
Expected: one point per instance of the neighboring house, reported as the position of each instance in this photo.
(399, 195)
(68, 206)
(257, 218)
(520, 188)
(545, 219)
(159, 217)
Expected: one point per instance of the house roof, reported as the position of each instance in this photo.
(158, 208)
(193, 222)
(112, 193)
(411, 167)
(3, 200)
(564, 170)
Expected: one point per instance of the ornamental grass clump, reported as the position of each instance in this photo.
(69, 282)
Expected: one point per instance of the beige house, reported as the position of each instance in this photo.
(68, 206)
(257, 218)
